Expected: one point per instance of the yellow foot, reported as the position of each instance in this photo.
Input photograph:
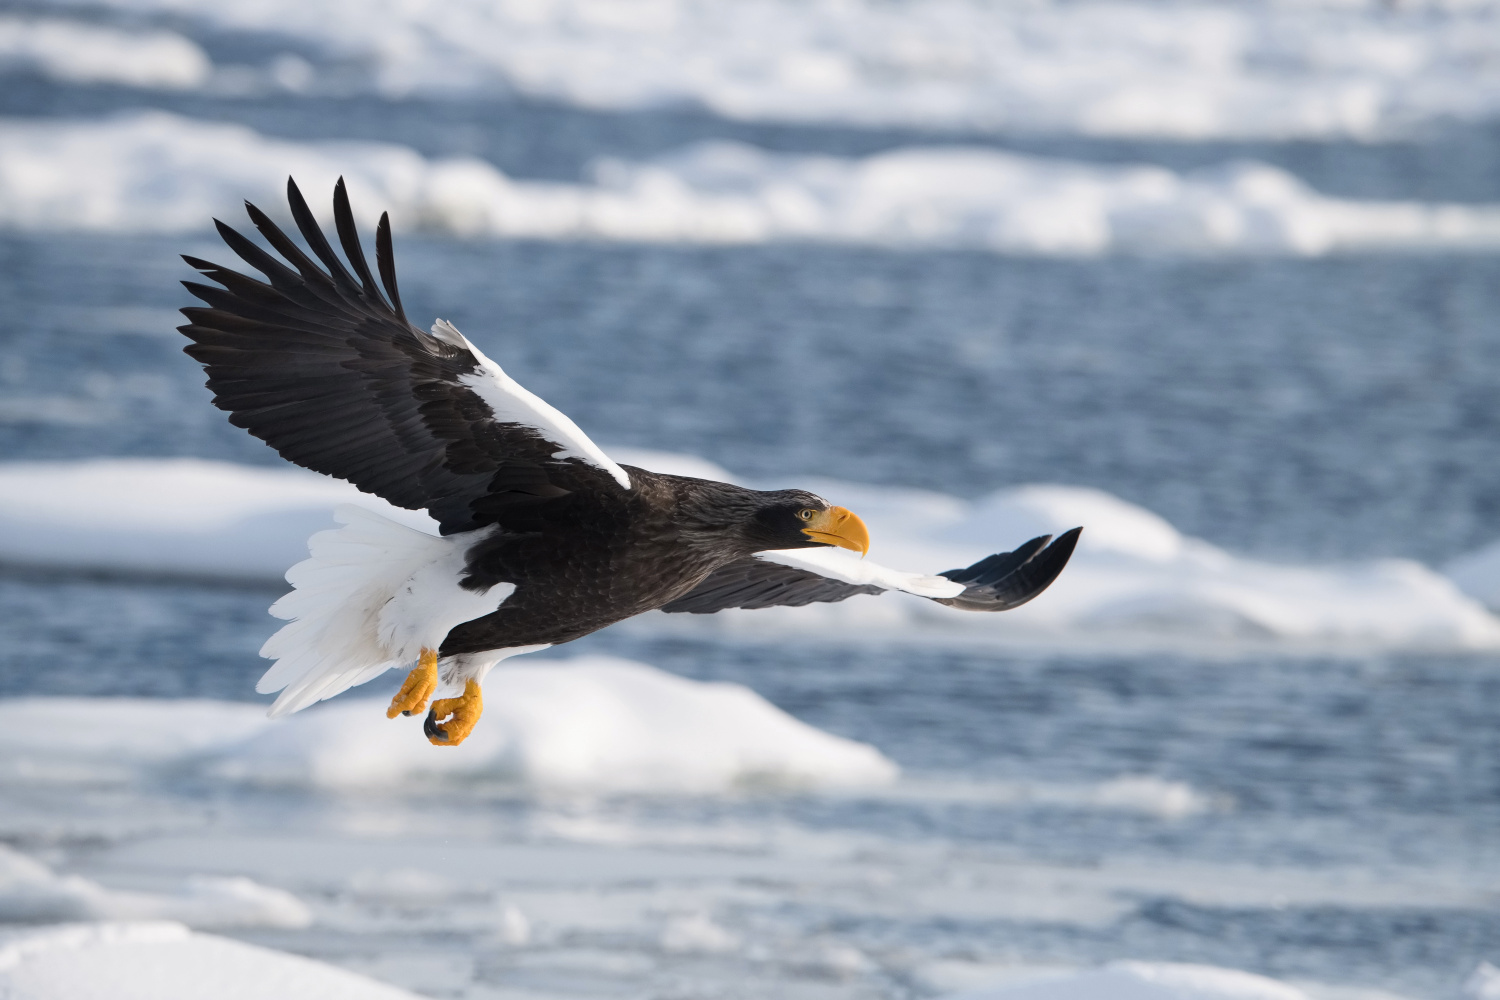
(451, 720)
(420, 684)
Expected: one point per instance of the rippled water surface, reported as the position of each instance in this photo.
(1328, 818)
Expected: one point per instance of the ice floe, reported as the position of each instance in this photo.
(160, 960)
(1133, 577)
(153, 171)
(1133, 980)
(592, 723)
(172, 516)
(1190, 71)
(1135, 574)
(80, 52)
(589, 723)
(1478, 574)
(31, 893)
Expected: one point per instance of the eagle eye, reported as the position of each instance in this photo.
(807, 513)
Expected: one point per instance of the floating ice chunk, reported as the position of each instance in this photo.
(177, 516)
(1483, 983)
(596, 723)
(1113, 525)
(77, 52)
(1150, 795)
(1105, 68)
(1478, 574)
(697, 933)
(154, 171)
(30, 892)
(1133, 574)
(165, 961)
(114, 739)
(1143, 981)
(593, 723)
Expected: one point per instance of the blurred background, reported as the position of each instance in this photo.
(1219, 281)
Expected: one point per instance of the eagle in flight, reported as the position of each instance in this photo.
(543, 538)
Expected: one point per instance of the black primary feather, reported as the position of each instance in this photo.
(321, 367)
(1009, 579)
(996, 583)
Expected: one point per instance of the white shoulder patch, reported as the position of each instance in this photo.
(839, 564)
(512, 403)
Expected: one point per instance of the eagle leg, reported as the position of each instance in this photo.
(418, 687)
(451, 720)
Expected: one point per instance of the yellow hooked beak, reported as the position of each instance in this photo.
(841, 527)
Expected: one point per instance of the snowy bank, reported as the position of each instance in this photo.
(1478, 574)
(1131, 980)
(31, 893)
(1123, 67)
(181, 517)
(152, 171)
(165, 961)
(1134, 575)
(592, 723)
(79, 52)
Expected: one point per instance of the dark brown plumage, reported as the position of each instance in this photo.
(318, 363)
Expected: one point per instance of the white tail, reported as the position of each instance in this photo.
(368, 597)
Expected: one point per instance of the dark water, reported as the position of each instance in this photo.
(1301, 409)
(1360, 764)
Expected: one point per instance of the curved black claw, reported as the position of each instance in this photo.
(1008, 580)
(432, 729)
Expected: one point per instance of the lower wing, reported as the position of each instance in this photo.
(795, 577)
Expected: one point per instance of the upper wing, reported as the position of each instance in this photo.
(318, 365)
(795, 577)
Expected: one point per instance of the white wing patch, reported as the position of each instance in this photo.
(512, 403)
(838, 564)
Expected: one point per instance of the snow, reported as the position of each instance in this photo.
(177, 516)
(153, 171)
(591, 723)
(1134, 577)
(159, 960)
(1483, 983)
(1313, 68)
(1478, 574)
(1132, 980)
(30, 892)
(77, 52)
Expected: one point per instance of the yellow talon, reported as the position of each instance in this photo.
(419, 685)
(451, 720)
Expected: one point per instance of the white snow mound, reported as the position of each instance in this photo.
(1133, 576)
(1478, 574)
(153, 171)
(173, 516)
(76, 52)
(592, 723)
(31, 893)
(1131, 980)
(165, 961)
(1335, 68)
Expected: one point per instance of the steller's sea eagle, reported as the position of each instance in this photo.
(543, 538)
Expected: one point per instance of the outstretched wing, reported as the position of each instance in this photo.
(319, 365)
(795, 577)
